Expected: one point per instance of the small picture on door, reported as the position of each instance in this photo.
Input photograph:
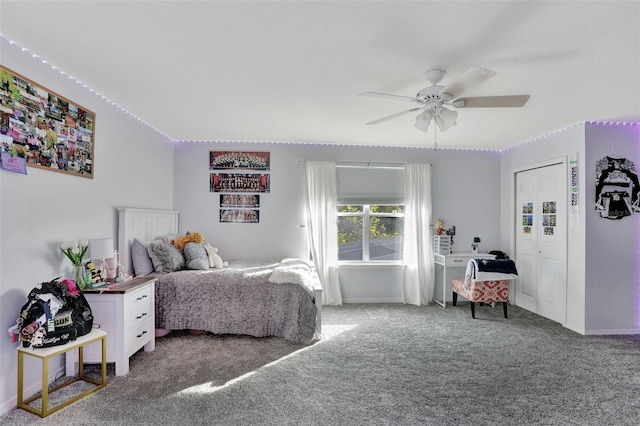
(527, 220)
(549, 220)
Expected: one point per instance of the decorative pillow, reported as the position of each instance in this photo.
(196, 256)
(167, 238)
(165, 257)
(142, 264)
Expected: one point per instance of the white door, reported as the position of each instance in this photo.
(541, 241)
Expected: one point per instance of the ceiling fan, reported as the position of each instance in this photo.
(433, 99)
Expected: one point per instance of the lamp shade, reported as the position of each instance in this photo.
(423, 120)
(446, 119)
(101, 248)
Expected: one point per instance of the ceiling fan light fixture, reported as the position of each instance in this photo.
(445, 119)
(423, 120)
(434, 76)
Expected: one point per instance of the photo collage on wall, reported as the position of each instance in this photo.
(240, 179)
(41, 129)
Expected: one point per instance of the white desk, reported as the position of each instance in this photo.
(455, 260)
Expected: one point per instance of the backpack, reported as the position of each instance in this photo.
(55, 313)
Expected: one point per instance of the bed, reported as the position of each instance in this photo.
(259, 298)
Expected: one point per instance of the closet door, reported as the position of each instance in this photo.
(541, 241)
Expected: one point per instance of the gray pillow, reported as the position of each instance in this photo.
(196, 256)
(142, 264)
(165, 257)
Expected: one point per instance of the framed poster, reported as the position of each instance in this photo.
(239, 160)
(47, 130)
(239, 182)
(240, 200)
(239, 215)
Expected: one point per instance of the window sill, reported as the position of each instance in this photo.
(356, 264)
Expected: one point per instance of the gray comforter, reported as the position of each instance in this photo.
(238, 299)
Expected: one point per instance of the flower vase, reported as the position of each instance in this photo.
(80, 276)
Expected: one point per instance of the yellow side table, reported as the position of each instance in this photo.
(44, 354)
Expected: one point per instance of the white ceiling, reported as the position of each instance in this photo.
(291, 71)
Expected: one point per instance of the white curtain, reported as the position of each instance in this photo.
(417, 254)
(322, 222)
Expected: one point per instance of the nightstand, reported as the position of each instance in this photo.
(127, 314)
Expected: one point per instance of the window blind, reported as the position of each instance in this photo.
(370, 185)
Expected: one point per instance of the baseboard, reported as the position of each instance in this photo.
(371, 300)
(617, 332)
(30, 390)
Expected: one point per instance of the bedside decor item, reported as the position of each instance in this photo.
(101, 249)
(50, 131)
(75, 253)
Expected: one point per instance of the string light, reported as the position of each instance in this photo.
(80, 83)
(129, 113)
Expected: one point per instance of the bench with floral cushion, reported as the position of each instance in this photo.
(491, 291)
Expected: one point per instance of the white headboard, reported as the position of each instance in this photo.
(144, 225)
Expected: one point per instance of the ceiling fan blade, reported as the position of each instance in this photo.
(387, 96)
(514, 101)
(389, 117)
(470, 77)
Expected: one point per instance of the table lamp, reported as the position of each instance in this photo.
(101, 248)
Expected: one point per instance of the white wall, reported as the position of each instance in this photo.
(465, 194)
(612, 278)
(133, 168)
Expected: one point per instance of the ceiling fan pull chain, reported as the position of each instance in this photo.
(435, 136)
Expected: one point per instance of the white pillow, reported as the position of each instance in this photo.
(142, 264)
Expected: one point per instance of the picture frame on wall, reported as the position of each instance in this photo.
(239, 160)
(239, 182)
(239, 215)
(239, 200)
(46, 129)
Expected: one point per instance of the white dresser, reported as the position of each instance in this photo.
(127, 314)
(456, 261)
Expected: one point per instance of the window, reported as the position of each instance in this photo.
(370, 213)
(370, 233)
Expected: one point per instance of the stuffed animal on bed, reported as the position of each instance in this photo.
(195, 256)
(215, 261)
(191, 237)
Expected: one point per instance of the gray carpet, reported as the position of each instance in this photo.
(378, 365)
